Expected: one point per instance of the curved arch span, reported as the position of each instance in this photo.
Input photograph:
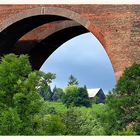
(13, 28)
(21, 23)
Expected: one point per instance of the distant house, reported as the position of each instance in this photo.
(98, 94)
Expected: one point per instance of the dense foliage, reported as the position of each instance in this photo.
(124, 102)
(28, 106)
(75, 96)
(58, 94)
(43, 85)
(19, 99)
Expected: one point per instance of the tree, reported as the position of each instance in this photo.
(46, 93)
(46, 78)
(44, 85)
(130, 80)
(54, 126)
(13, 69)
(58, 94)
(28, 103)
(82, 98)
(20, 101)
(56, 108)
(70, 95)
(75, 96)
(72, 80)
(124, 101)
(72, 121)
(49, 125)
(79, 122)
(10, 123)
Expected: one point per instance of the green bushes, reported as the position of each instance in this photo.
(25, 109)
(124, 103)
(75, 96)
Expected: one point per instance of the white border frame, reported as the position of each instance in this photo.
(3, 2)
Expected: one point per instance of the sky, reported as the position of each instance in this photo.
(85, 58)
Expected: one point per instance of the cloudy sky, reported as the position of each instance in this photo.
(85, 58)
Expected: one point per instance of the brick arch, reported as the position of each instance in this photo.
(61, 12)
(42, 50)
(35, 36)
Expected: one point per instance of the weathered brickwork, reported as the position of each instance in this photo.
(117, 27)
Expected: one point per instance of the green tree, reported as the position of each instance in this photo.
(82, 98)
(44, 85)
(72, 121)
(28, 103)
(124, 101)
(75, 96)
(72, 80)
(58, 94)
(81, 122)
(10, 123)
(54, 126)
(48, 125)
(46, 78)
(56, 108)
(20, 101)
(46, 93)
(13, 69)
(129, 82)
(70, 95)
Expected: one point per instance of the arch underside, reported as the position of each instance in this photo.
(39, 49)
(41, 43)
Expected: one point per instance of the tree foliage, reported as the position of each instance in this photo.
(72, 80)
(19, 97)
(29, 107)
(124, 102)
(10, 122)
(75, 96)
(48, 125)
(58, 94)
(44, 85)
(129, 83)
(81, 122)
(13, 70)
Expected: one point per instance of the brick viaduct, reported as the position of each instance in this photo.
(38, 30)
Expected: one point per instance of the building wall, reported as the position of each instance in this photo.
(101, 96)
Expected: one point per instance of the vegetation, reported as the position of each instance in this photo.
(44, 87)
(75, 96)
(72, 81)
(58, 94)
(124, 102)
(28, 106)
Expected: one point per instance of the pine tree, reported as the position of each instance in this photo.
(72, 80)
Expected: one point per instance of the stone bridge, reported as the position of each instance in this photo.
(38, 30)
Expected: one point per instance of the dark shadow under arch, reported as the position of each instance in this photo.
(10, 35)
(46, 47)
(21, 23)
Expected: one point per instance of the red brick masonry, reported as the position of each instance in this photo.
(117, 27)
